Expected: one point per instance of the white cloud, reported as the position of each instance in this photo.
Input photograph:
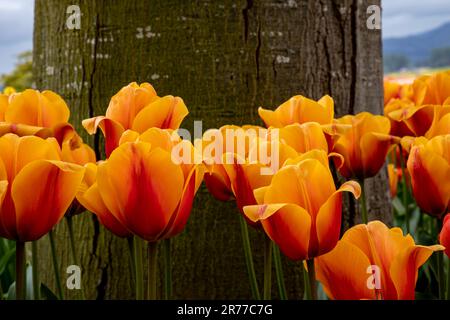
(406, 17)
(16, 25)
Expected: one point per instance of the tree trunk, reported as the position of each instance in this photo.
(225, 59)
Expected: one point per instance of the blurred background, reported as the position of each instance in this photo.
(416, 39)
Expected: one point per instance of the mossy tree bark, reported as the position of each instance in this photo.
(224, 58)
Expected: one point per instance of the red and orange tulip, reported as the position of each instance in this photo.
(299, 109)
(138, 108)
(407, 119)
(301, 209)
(364, 141)
(347, 270)
(36, 187)
(144, 188)
(429, 168)
(411, 112)
(444, 236)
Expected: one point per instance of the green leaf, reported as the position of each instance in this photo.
(398, 206)
(7, 259)
(11, 295)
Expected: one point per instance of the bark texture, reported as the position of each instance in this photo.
(224, 58)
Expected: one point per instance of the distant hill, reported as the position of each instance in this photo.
(418, 48)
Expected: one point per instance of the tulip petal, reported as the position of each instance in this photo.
(19, 151)
(305, 137)
(308, 184)
(244, 179)
(3, 190)
(288, 225)
(92, 201)
(3, 106)
(343, 272)
(428, 170)
(444, 236)
(269, 117)
(165, 113)
(218, 183)
(179, 219)
(111, 129)
(39, 206)
(31, 107)
(404, 269)
(328, 219)
(374, 148)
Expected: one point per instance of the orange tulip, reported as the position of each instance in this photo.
(36, 188)
(299, 109)
(444, 236)
(44, 114)
(73, 150)
(429, 168)
(136, 107)
(240, 176)
(364, 141)
(144, 188)
(90, 198)
(372, 262)
(301, 209)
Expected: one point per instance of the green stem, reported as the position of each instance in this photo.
(404, 189)
(267, 268)
(167, 270)
(441, 277)
(448, 279)
(21, 277)
(440, 266)
(152, 266)
(138, 268)
(363, 203)
(130, 242)
(73, 250)
(307, 287)
(279, 272)
(55, 265)
(35, 263)
(249, 258)
(312, 278)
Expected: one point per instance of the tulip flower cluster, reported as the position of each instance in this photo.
(289, 180)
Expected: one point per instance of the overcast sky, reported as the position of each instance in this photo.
(400, 18)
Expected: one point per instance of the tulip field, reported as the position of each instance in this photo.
(290, 181)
